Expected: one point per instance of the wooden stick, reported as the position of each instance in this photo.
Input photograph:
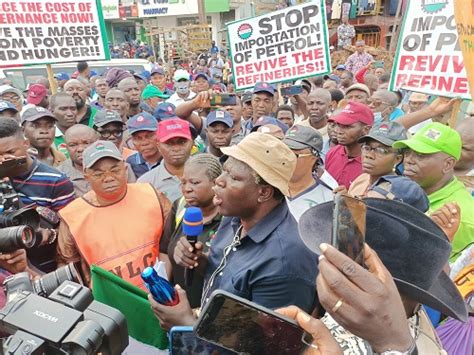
(52, 81)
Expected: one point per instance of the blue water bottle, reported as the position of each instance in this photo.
(161, 290)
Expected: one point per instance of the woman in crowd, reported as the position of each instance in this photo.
(378, 156)
(200, 172)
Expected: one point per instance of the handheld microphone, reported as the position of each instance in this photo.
(192, 227)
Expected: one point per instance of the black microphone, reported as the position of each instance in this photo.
(192, 227)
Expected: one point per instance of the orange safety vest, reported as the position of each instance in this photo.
(122, 238)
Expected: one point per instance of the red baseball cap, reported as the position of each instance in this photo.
(173, 128)
(354, 112)
(36, 93)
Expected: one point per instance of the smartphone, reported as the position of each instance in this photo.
(291, 90)
(237, 324)
(223, 100)
(8, 167)
(348, 233)
(183, 340)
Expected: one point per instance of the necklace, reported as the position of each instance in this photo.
(227, 250)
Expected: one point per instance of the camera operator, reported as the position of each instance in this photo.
(37, 185)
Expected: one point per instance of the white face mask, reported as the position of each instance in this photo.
(182, 87)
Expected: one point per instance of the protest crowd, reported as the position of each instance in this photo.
(113, 160)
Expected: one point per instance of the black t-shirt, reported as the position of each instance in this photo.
(171, 234)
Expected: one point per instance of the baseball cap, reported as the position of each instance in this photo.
(164, 111)
(354, 112)
(275, 131)
(332, 77)
(268, 156)
(157, 70)
(201, 75)
(219, 116)
(5, 105)
(386, 133)
(35, 113)
(341, 67)
(246, 97)
(418, 97)
(403, 189)
(433, 138)
(142, 122)
(152, 91)
(36, 93)
(103, 117)
(361, 87)
(263, 87)
(265, 120)
(98, 150)
(180, 74)
(62, 76)
(5, 89)
(302, 137)
(173, 128)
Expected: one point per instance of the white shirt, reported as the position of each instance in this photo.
(176, 100)
(311, 197)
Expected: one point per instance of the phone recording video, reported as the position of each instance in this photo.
(183, 340)
(245, 327)
(223, 100)
(291, 90)
(348, 234)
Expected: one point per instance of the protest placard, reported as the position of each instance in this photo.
(464, 14)
(280, 46)
(51, 31)
(429, 58)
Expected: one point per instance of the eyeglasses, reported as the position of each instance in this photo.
(115, 172)
(379, 151)
(105, 133)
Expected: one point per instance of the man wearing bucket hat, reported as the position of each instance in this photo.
(430, 159)
(96, 228)
(414, 250)
(268, 263)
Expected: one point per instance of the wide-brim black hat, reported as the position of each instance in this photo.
(411, 246)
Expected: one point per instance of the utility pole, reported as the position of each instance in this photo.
(202, 12)
(396, 28)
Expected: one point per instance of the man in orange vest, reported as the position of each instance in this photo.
(116, 225)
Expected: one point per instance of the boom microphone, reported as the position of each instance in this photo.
(192, 227)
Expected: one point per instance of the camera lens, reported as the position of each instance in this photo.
(14, 238)
(49, 282)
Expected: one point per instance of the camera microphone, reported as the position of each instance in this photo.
(192, 227)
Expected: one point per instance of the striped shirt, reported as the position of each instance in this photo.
(44, 186)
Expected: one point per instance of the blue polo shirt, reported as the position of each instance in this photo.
(139, 165)
(271, 266)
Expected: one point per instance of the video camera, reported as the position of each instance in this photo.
(17, 224)
(57, 315)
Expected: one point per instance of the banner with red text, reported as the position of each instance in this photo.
(51, 31)
(464, 14)
(280, 46)
(429, 58)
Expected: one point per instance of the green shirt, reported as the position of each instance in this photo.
(455, 191)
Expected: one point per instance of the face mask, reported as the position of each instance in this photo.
(182, 88)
